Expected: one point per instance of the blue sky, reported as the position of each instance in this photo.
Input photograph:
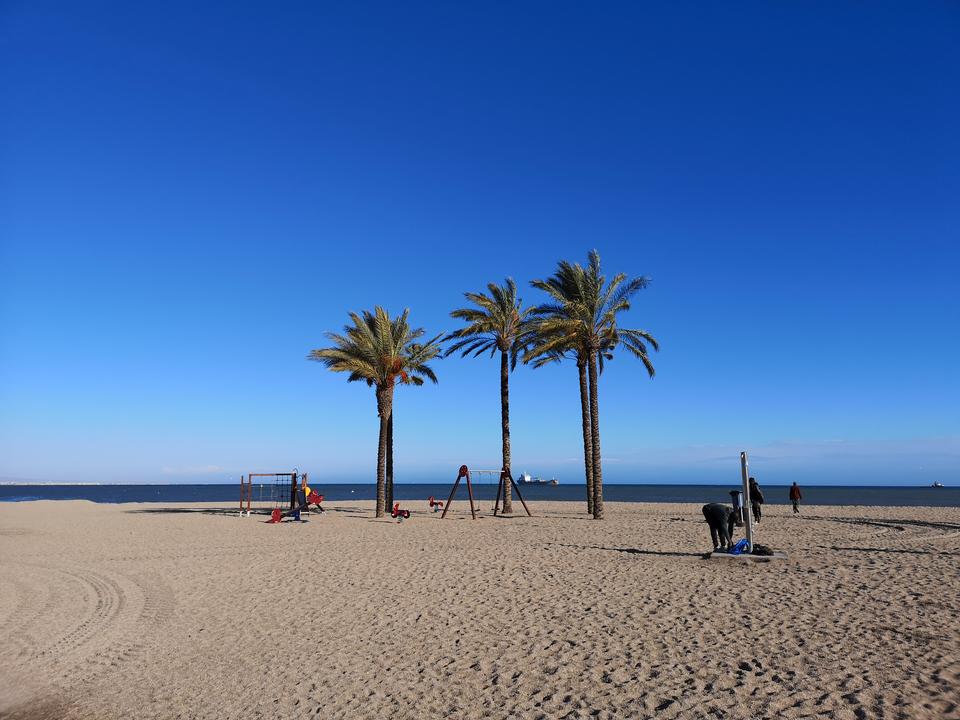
(190, 197)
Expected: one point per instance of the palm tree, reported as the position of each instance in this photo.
(381, 352)
(416, 355)
(498, 322)
(557, 355)
(582, 319)
(388, 490)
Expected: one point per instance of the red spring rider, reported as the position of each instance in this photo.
(435, 505)
(314, 498)
(398, 514)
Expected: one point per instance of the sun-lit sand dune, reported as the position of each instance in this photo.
(138, 611)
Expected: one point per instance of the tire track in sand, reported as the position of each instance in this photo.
(89, 624)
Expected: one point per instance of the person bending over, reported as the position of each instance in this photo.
(721, 519)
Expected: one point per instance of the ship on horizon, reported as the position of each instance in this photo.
(526, 479)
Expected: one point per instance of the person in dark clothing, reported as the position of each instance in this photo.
(721, 519)
(756, 499)
(795, 498)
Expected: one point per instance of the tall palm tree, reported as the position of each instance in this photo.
(415, 356)
(558, 355)
(582, 319)
(499, 322)
(381, 352)
(388, 490)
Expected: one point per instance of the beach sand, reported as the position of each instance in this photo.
(146, 611)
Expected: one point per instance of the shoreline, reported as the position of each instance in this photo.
(460, 504)
(448, 483)
(412, 496)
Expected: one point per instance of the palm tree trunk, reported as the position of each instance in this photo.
(505, 427)
(389, 489)
(595, 438)
(587, 437)
(384, 403)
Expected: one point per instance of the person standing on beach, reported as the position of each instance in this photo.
(756, 499)
(795, 498)
(721, 519)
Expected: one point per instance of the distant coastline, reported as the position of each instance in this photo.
(23, 483)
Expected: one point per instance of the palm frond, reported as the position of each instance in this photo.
(380, 350)
(497, 321)
(581, 315)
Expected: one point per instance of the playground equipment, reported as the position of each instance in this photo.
(435, 505)
(505, 477)
(304, 501)
(287, 493)
(398, 514)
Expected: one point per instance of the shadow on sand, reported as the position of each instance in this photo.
(188, 511)
(889, 523)
(632, 551)
(894, 550)
(231, 511)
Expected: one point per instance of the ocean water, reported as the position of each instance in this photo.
(485, 492)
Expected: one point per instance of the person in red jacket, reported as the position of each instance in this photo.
(795, 498)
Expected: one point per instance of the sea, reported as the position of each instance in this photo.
(223, 493)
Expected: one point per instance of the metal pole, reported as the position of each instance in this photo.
(747, 515)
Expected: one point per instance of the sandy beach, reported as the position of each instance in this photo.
(146, 611)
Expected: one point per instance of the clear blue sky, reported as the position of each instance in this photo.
(191, 196)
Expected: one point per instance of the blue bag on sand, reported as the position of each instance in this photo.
(740, 547)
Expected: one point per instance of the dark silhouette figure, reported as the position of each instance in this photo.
(756, 499)
(795, 497)
(721, 519)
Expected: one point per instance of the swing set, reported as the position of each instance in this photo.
(505, 477)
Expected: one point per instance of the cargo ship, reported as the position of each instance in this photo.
(526, 479)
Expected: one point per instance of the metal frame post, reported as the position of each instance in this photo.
(516, 489)
(453, 491)
(473, 510)
(496, 504)
(747, 514)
